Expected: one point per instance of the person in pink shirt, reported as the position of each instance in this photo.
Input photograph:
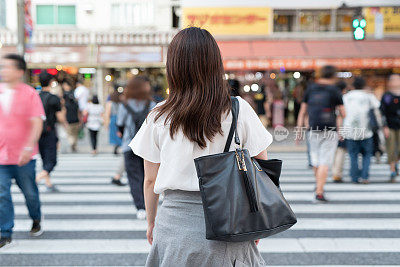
(21, 122)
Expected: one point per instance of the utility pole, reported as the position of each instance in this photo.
(21, 27)
(21, 31)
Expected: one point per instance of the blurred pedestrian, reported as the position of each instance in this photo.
(298, 94)
(114, 134)
(131, 115)
(234, 86)
(390, 107)
(320, 102)
(356, 129)
(94, 112)
(111, 119)
(21, 123)
(278, 109)
(340, 154)
(73, 114)
(49, 139)
(158, 93)
(181, 129)
(82, 94)
(260, 100)
(116, 179)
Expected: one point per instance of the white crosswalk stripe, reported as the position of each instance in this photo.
(91, 222)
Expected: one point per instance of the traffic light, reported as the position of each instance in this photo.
(359, 25)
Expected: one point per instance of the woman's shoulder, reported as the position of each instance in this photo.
(244, 106)
(154, 112)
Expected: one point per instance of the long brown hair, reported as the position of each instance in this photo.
(198, 94)
(135, 88)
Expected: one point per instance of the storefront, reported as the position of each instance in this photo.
(101, 67)
(288, 65)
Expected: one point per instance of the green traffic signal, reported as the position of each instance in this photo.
(358, 28)
(359, 34)
(363, 23)
(356, 23)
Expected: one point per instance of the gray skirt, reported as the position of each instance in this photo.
(179, 237)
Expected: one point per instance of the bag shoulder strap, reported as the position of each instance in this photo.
(233, 129)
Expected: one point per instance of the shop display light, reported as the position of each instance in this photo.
(135, 71)
(246, 88)
(259, 75)
(272, 76)
(226, 76)
(249, 76)
(1, 45)
(296, 75)
(254, 87)
(120, 89)
(59, 67)
(52, 71)
(87, 70)
(108, 78)
(344, 74)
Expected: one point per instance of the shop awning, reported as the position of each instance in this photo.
(303, 55)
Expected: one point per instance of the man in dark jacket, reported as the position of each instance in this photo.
(48, 140)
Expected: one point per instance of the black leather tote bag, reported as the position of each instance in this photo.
(241, 196)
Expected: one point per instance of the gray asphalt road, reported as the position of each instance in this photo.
(93, 223)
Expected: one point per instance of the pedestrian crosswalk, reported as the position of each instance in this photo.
(93, 223)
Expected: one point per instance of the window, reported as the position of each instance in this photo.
(132, 13)
(66, 15)
(55, 15)
(315, 21)
(284, 20)
(343, 21)
(2, 13)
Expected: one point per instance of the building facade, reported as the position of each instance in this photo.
(103, 37)
(119, 38)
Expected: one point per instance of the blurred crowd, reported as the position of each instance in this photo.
(333, 116)
(336, 118)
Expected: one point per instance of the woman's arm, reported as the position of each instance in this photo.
(263, 155)
(150, 198)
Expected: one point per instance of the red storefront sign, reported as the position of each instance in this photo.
(311, 64)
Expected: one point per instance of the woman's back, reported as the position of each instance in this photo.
(194, 121)
(154, 143)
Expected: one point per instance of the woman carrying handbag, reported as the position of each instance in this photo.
(195, 121)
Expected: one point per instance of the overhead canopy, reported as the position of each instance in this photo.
(301, 55)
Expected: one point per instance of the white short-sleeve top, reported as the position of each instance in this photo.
(176, 156)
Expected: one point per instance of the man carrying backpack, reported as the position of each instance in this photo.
(48, 140)
(130, 117)
(320, 101)
(73, 114)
